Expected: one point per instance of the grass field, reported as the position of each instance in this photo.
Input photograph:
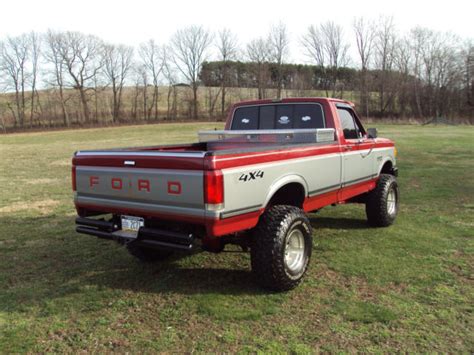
(409, 287)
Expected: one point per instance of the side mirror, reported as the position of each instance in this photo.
(372, 133)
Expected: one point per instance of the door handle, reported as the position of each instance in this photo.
(348, 147)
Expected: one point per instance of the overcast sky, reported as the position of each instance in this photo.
(134, 21)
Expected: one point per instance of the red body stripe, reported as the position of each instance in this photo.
(147, 162)
(235, 160)
(356, 189)
(220, 227)
(320, 201)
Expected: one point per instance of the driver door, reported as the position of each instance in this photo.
(358, 158)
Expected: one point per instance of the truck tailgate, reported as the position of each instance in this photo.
(137, 190)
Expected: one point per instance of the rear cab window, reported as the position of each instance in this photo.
(279, 116)
(245, 118)
(309, 116)
(266, 117)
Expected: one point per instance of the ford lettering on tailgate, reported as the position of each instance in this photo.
(117, 183)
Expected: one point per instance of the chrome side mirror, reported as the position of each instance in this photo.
(372, 133)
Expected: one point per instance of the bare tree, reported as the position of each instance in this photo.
(35, 48)
(336, 50)
(335, 45)
(227, 46)
(14, 57)
(137, 72)
(327, 48)
(171, 78)
(385, 51)
(313, 43)
(152, 56)
(172, 96)
(54, 42)
(364, 34)
(82, 59)
(469, 76)
(279, 49)
(190, 49)
(258, 52)
(417, 40)
(440, 59)
(142, 74)
(117, 65)
(403, 64)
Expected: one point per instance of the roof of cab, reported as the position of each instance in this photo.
(292, 99)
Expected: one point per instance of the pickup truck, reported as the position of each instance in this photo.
(250, 184)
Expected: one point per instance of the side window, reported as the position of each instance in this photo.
(308, 116)
(284, 117)
(360, 130)
(245, 118)
(348, 124)
(267, 117)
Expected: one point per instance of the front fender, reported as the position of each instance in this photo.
(384, 161)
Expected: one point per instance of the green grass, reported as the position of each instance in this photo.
(409, 287)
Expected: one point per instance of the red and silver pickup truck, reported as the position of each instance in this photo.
(249, 184)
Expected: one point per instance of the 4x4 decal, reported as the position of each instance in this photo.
(252, 175)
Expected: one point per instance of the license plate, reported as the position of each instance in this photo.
(132, 224)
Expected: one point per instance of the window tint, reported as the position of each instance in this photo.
(287, 116)
(308, 116)
(267, 117)
(347, 123)
(284, 117)
(245, 118)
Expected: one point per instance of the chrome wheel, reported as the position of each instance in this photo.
(392, 202)
(295, 252)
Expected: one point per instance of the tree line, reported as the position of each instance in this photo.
(62, 78)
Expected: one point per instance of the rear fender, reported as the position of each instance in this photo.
(285, 180)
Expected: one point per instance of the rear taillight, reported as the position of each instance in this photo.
(213, 187)
(73, 178)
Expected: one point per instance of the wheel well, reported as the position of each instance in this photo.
(291, 194)
(387, 168)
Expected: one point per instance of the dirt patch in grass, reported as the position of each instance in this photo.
(43, 206)
(357, 285)
(41, 181)
(61, 162)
